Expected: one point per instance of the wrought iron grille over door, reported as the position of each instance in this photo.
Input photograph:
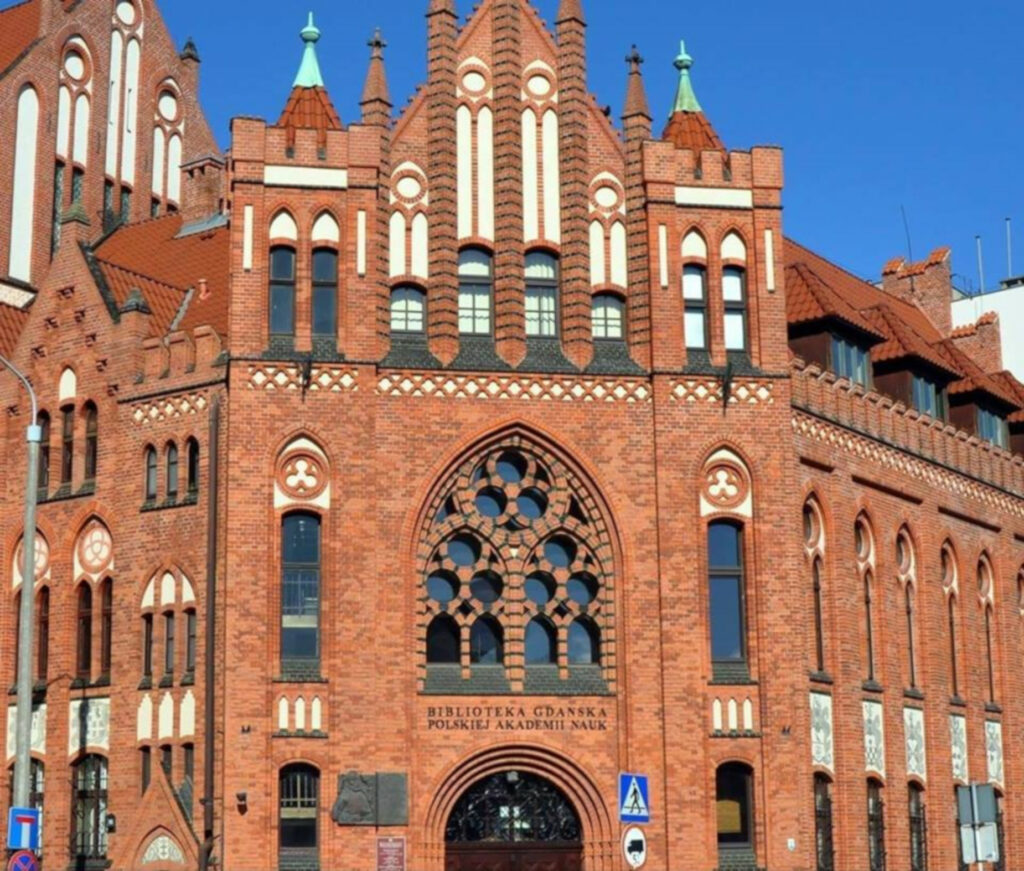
(513, 807)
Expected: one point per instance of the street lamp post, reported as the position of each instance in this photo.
(23, 723)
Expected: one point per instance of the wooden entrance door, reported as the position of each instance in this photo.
(514, 857)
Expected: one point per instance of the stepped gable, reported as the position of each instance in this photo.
(974, 378)
(688, 126)
(12, 320)
(166, 256)
(19, 27)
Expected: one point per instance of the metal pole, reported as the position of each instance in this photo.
(23, 721)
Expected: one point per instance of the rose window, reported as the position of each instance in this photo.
(517, 579)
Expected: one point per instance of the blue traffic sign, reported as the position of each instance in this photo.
(634, 799)
(23, 860)
(23, 828)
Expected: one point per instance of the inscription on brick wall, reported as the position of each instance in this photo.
(517, 718)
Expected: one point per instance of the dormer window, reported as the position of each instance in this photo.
(992, 428)
(929, 397)
(850, 360)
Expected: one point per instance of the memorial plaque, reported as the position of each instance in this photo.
(390, 854)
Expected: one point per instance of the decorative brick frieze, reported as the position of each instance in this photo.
(523, 387)
(322, 379)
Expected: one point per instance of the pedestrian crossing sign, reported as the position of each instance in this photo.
(634, 799)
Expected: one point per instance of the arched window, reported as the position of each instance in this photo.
(106, 626)
(147, 645)
(695, 306)
(282, 291)
(918, 828)
(725, 597)
(325, 293)
(486, 644)
(734, 799)
(908, 604)
(864, 546)
(89, 808)
(83, 660)
(43, 635)
(298, 797)
(67, 444)
(986, 592)
(37, 782)
(145, 768)
(734, 298)
(823, 841)
(43, 420)
(191, 629)
(91, 441)
(476, 283)
(869, 625)
(541, 295)
(172, 471)
(540, 642)
(150, 474)
(300, 589)
(876, 827)
(608, 317)
(168, 643)
(443, 640)
(192, 447)
(408, 310)
(584, 642)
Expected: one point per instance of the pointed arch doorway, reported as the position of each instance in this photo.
(513, 821)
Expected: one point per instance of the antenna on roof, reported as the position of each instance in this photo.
(910, 247)
(1009, 249)
(981, 266)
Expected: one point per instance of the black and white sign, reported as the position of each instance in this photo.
(634, 847)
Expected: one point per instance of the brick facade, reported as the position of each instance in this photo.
(588, 464)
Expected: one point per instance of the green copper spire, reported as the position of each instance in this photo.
(309, 71)
(686, 99)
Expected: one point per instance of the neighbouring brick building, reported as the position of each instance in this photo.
(406, 479)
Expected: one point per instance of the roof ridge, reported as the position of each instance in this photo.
(838, 266)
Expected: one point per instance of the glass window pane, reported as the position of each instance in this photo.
(301, 538)
(693, 322)
(541, 265)
(723, 545)
(324, 316)
(732, 790)
(540, 643)
(282, 264)
(474, 262)
(540, 311)
(735, 331)
(693, 282)
(583, 648)
(282, 309)
(485, 643)
(443, 640)
(407, 305)
(607, 317)
(732, 284)
(726, 618)
(325, 266)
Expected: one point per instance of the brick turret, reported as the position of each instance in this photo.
(636, 122)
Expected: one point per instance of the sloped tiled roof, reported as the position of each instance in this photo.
(163, 300)
(309, 109)
(693, 131)
(19, 26)
(974, 377)
(902, 340)
(12, 320)
(152, 251)
(809, 298)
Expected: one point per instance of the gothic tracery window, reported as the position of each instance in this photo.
(517, 569)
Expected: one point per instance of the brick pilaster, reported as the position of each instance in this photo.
(509, 282)
(575, 262)
(443, 289)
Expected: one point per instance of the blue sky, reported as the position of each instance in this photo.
(879, 104)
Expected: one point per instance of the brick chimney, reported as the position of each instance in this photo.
(981, 342)
(928, 284)
(202, 188)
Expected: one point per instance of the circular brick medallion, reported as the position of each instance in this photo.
(725, 485)
(302, 475)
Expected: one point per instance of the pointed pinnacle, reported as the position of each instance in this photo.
(686, 99)
(376, 87)
(636, 95)
(309, 70)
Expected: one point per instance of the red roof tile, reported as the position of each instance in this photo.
(11, 322)
(19, 26)
(974, 377)
(309, 109)
(809, 298)
(151, 251)
(164, 301)
(693, 131)
(904, 341)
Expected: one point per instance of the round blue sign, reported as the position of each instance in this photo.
(23, 860)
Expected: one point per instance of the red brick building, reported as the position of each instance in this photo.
(407, 478)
